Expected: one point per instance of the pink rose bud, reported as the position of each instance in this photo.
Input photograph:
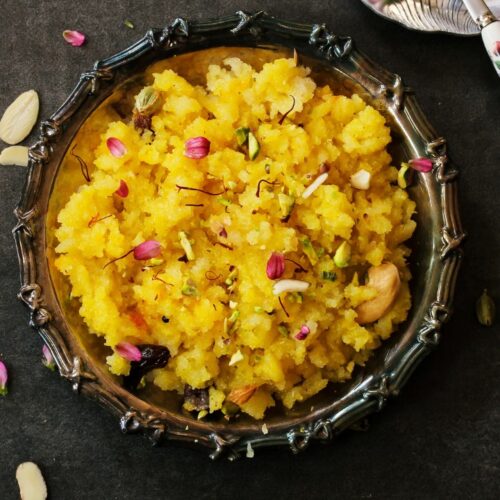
(128, 351)
(275, 266)
(421, 164)
(303, 332)
(4, 376)
(122, 190)
(197, 148)
(47, 358)
(147, 250)
(75, 38)
(116, 147)
(496, 48)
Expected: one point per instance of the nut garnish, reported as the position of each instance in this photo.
(19, 118)
(485, 309)
(31, 483)
(385, 279)
(15, 155)
(241, 395)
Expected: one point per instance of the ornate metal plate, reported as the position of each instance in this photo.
(436, 245)
(449, 16)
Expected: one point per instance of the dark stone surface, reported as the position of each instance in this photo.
(439, 439)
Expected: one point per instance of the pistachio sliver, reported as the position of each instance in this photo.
(342, 256)
(253, 146)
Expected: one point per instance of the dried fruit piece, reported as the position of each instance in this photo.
(15, 155)
(385, 279)
(485, 309)
(361, 179)
(31, 483)
(253, 146)
(290, 286)
(196, 399)
(315, 185)
(47, 358)
(241, 395)
(152, 357)
(342, 256)
(19, 118)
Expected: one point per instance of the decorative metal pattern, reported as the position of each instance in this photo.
(449, 16)
(372, 393)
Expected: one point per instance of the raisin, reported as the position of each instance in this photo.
(196, 398)
(153, 356)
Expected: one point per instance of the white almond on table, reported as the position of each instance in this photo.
(31, 483)
(15, 155)
(19, 118)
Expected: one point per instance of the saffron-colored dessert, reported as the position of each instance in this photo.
(239, 242)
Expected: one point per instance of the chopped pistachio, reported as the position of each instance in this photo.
(283, 329)
(258, 309)
(146, 100)
(234, 316)
(286, 204)
(232, 185)
(342, 256)
(309, 251)
(242, 135)
(186, 245)
(189, 289)
(329, 275)
(202, 414)
(223, 201)
(128, 24)
(229, 408)
(253, 146)
(402, 175)
(296, 297)
(155, 262)
(231, 277)
(485, 309)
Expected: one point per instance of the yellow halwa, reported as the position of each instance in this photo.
(216, 311)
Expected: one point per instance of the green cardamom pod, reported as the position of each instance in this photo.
(485, 309)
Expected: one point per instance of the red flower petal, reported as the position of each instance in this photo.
(421, 164)
(75, 38)
(116, 147)
(303, 332)
(275, 266)
(122, 191)
(128, 351)
(197, 148)
(147, 250)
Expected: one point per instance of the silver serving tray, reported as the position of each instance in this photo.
(435, 260)
(449, 16)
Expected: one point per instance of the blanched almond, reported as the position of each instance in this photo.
(14, 155)
(385, 279)
(241, 395)
(19, 118)
(31, 483)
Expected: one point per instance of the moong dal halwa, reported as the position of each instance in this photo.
(240, 243)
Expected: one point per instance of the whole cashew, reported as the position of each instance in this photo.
(385, 279)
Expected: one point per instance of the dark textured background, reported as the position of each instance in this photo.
(439, 439)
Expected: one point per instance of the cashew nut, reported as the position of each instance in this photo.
(385, 279)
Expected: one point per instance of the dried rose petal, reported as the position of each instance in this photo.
(48, 359)
(128, 351)
(4, 376)
(275, 266)
(223, 233)
(116, 147)
(147, 250)
(197, 148)
(303, 332)
(75, 38)
(122, 191)
(421, 164)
